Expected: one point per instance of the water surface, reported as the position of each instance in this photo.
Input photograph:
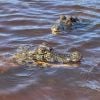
(29, 22)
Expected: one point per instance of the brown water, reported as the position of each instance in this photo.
(29, 22)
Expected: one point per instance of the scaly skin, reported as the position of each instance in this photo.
(44, 55)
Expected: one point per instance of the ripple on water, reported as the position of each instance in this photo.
(29, 22)
(93, 84)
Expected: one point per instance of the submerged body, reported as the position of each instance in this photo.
(45, 55)
(65, 23)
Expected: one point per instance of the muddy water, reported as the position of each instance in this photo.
(29, 22)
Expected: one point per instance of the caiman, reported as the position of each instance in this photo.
(65, 23)
(44, 55)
